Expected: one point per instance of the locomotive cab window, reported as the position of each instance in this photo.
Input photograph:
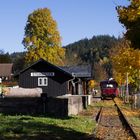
(43, 81)
(109, 85)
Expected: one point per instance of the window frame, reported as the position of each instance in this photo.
(41, 81)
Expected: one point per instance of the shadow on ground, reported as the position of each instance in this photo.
(26, 129)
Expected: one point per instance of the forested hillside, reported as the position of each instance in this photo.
(94, 51)
(82, 50)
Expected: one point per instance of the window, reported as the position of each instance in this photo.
(43, 81)
(109, 85)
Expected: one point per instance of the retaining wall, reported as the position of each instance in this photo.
(59, 106)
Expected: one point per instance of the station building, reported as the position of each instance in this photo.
(55, 81)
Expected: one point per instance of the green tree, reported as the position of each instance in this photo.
(42, 39)
(5, 57)
(18, 59)
(130, 17)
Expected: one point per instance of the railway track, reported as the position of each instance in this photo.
(112, 124)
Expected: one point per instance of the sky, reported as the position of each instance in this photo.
(76, 20)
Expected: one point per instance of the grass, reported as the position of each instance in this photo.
(44, 128)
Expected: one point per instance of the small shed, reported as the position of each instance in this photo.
(52, 79)
(82, 75)
(6, 71)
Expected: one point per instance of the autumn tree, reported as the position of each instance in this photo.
(126, 60)
(42, 39)
(129, 16)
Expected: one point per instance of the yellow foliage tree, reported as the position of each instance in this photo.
(91, 84)
(42, 39)
(126, 60)
(129, 16)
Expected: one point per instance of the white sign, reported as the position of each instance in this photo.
(37, 74)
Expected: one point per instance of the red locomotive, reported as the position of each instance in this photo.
(109, 88)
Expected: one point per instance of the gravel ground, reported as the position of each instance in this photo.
(110, 127)
(132, 115)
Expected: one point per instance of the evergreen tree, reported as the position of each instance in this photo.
(5, 57)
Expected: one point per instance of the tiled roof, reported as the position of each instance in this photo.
(5, 69)
(79, 71)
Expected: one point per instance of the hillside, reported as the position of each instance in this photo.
(94, 51)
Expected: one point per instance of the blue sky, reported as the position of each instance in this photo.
(76, 19)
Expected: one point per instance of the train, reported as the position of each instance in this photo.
(109, 88)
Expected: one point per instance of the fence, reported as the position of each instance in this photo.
(132, 99)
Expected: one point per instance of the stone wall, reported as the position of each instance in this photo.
(21, 105)
(59, 106)
(66, 105)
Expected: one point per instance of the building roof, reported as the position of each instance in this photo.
(83, 71)
(45, 63)
(6, 69)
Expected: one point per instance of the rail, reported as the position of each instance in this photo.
(126, 123)
(107, 123)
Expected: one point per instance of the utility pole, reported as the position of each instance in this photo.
(127, 88)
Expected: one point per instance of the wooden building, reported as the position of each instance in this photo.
(56, 81)
(52, 79)
(81, 76)
(6, 71)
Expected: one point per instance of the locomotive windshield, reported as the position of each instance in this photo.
(108, 84)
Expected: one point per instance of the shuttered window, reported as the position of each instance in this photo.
(42, 81)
